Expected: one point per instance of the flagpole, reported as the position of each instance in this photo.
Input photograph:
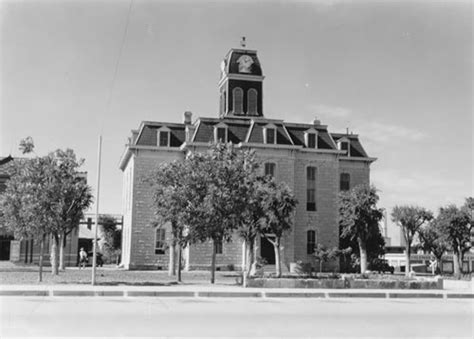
(94, 256)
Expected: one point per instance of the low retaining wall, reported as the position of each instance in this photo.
(346, 283)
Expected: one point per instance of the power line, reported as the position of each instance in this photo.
(117, 63)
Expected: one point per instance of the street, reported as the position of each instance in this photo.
(221, 317)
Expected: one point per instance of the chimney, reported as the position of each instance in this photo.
(188, 117)
(316, 121)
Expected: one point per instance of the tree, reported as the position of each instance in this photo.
(359, 217)
(279, 203)
(219, 202)
(203, 196)
(434, 242)
(24, 200)
(69, 196)
(252, 215)
(57, 195)
(454, 225)
(324, 254)
(173, 196)
(375, 248)
(111, 237)
(410, 219)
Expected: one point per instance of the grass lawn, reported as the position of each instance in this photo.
(109, 275)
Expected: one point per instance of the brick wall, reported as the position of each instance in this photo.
(291, 164)
(141, 232)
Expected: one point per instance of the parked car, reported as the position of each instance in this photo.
(99, 259)
(381, 266)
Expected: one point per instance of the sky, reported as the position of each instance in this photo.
(397, 73)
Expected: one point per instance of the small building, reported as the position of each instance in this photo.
(315, 163)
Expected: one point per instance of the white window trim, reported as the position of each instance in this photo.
(156, 240)
(306, 138)
(275, 168)
(158, 134)
(221, 125)
(342, 141)
(265, 129)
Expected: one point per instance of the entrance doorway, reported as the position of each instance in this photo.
(267, 251)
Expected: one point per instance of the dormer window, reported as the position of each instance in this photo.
(344, 145)
(220, 133)
(311, 138)
(269, 134)
(164, 137)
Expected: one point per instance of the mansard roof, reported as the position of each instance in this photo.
(147, 135)
(356, 149)
(246, 131)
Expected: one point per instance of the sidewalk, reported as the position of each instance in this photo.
(222, 291)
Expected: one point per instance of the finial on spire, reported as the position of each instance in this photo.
(243, 42)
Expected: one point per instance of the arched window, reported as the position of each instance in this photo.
(310, 241)
(345, 182)
(238, 103)
(222, 109)
(252, 101)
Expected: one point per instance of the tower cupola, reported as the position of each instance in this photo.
(240, 85)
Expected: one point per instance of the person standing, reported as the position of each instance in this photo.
(82, 258)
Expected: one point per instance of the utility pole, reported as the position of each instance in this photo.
(94, 256)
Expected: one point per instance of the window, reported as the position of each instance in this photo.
(270, 169)
(345, 182)
(310, 241)
(311, 140)
(160, 241)
(164, 138)
(221, 134)
(311, 188)
(344, 145)
(238, 103)
(252, 101)
(270, 136)
(218, 247)
(223, 103)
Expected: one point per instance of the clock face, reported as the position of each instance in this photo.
(245, 63)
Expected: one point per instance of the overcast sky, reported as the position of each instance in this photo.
(397, 73)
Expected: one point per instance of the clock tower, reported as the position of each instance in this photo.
(240, 85)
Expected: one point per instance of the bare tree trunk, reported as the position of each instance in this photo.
(179, 262)
(172, 262)
(407, 260)
(276, 245)
(457, 267)
(439, 266)
(62, 246)
(54, 254)
(41, 255)
(249, 259)
(320, 265)
(363, 255)
(213, 262)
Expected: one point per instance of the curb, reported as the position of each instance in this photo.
(223, 294)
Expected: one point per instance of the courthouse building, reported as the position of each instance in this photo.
(315, 163)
